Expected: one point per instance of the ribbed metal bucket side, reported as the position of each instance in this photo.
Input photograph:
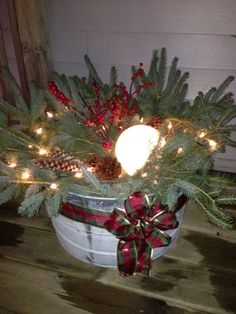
(92, 244)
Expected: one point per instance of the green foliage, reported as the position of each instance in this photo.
(167, 97)
(32, 204)
(166, 172)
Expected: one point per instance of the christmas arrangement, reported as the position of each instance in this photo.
(84, 136)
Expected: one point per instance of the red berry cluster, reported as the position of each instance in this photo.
(138, 73)
(60, 97)
(143, 86)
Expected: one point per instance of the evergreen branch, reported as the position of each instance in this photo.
(13, 89)
(113, 76)
(227, 200)
(218, 217)
(92, 71)
(7, 194)
(53, 204)
(218, 93)
(161, 73)
(31, 205)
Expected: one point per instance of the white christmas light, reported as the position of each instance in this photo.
(39, 131)
(134, 147)
(25, 175)
(43, 151)
(53, 186)
(169, 126)
(49, 114)
(162, 142)
(78, 175)
(212, 144)
(90, 169)
(12, 164)
(202, 134)
(180, 150)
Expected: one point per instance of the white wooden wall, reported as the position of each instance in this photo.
(202, 33)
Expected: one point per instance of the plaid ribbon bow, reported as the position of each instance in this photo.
(140, 229)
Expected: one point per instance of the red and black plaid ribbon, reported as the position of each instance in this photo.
(140, 229)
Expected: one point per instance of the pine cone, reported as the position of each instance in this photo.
(57, 164)
(155, 122)
(106, 168)
(60, 154)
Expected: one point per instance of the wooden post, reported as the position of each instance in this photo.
(31, 40)
(3, 63)
(3, 56)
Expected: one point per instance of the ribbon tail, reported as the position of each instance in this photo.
(144, 257)
(134, 256)
(127, 257)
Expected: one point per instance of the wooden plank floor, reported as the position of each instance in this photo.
(196, 276)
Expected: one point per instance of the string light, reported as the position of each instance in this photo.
(49, 114)
(144, 174)
(169, 126)
(39, 131)
(42, 151)
(53, 186)
(141, 120)
(78, 175)
(30, 146)
(212, 144)
(162, 142)
(180, 150)
(201, 133)
(12, 164)
(25, 175)
(90, 169)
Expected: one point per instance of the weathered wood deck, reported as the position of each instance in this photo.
(196, 276)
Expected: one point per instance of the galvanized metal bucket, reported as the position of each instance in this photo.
(96, 245)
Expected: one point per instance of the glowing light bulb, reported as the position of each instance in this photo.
(90, 169)
(49, 114)
(30, 146)
(180, 150)
(141, 120)
(169, 126)
(43, 151)
(134, 147)
(201, 133)
(25, 175)
(162, 142)
(12, 164)
(212, 144)
(53, 186)
(39, 131)
(78, 175)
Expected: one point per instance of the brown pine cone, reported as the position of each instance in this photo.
(155, 122)
(106, 168)
(54, 164)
